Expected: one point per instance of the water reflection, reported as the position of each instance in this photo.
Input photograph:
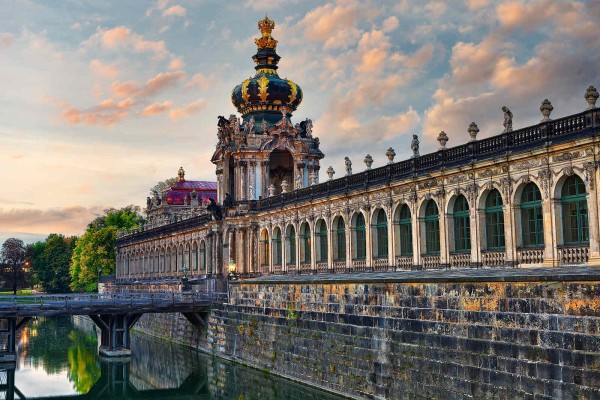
(58, 358)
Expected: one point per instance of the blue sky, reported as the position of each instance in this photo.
(100, 100)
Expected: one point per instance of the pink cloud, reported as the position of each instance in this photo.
(124, 89)
(152, 87)
(107, 112)
(176, 10)
(156, 109)
(200, 81)
(104, 70)
(123, 38)
(176, 64)
(68, 220)
(335, 25)
(6, 41)
(390, 24)
(188, 110)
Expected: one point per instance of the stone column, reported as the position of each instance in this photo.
(369, 239)
(391, 241)
(416, 234)
(593, 216)
(266, 179)
(313, 245)
(243, 172)
(550, 250)
(349, 244)
(444, 234)
(509, 239)
(330, 243)
(474, 226)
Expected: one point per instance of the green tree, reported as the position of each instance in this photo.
(96, 248)
(157, 189)
(13, 259)
(50, 262)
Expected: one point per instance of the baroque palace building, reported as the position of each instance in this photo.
(525, 197)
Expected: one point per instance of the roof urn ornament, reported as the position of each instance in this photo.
(271, 190)
(442, 139)
(314, 178)
(414, 146)
(390, 154)
(508, 116)
(181, 174)
(330, 171)
(284, 186)
(473, 131)
(348, 166)
(368, 161)
(546, 108)
(591, 95)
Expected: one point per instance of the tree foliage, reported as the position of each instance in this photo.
(50, 262)
(13, 259)
(157, 189)
(95, 249)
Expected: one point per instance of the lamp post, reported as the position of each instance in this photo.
(232, 275)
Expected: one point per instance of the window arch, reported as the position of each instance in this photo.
(339, 245)
(359, 237)
(321, 237)
(575, 212)
(380, 244)
(404, 231)
(202, 256)
(494, 221)
(432, 228)
(277, 246)
(264, 242)
(532, 217)
(291, 245)
(462, 225)
(168, 260)
(305, 243)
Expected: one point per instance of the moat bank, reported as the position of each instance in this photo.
(518, 333)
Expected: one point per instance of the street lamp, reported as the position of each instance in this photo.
(232, 274)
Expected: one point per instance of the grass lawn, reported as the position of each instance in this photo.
(24, 292)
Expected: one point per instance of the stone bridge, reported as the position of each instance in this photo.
(114, 314)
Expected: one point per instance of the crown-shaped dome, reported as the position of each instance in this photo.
(264, 95)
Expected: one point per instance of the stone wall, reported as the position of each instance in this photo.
(447, 335)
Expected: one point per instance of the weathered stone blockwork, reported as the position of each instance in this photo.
(421, 340)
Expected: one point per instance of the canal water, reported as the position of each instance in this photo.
(58, 358)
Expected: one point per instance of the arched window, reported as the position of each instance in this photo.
(405, 231)
(340, 236)
(277, 246)
(321, 237)
(194, 265)
(291, 245)
(203, 256)
(462, 222)
(305, 243)
(381, 235)
(360, 238)
(575, 212)
(265, 254)
(168, 261)
(432, 228)
(532, 218)
(494, 221)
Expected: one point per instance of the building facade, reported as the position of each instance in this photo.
(526, 197)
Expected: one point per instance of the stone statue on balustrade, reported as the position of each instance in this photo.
(414, 146)
(508, 116)
(348, 166)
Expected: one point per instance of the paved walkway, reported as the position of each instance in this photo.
(563, 273)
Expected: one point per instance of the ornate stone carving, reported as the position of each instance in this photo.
(590, 173)
(490, 172)
(505, 185)
(368, 161)
(457, 179)
(526, 165)
(566, 156)
(591, 95)
(508, 116)
(284, 186)
(546, 108)
(390, 154)
(568, 170)
(442, 139)
(271, 190)
(330, 171)
(473, 131)
(428, 184)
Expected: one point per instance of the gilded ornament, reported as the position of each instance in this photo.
(245, 95)
(293, 91)
(263, 82)
(269, 71)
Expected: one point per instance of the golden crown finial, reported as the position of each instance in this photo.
(266, 26)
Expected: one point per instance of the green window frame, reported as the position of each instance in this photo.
(494, 221)
(322, 238)
(405, 230)
(532, 216)
(381, 230)
(575, 212)
(361, 237)
(277, 246)
(305, 235)
(341, 239)
(432, 229)
(292, 239)
(462, 225)
(265, 252)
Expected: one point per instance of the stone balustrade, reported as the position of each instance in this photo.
(431, 261)
(573, 255)
(530, 256)
(404, 263)
(494, 258)
(460, 260)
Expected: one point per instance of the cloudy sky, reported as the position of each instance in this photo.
(102, 99)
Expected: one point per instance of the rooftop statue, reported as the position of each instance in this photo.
(508, 116)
